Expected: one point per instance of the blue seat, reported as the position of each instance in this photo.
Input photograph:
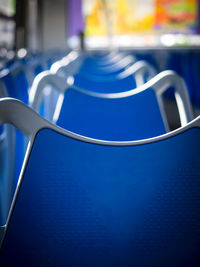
(130, 115)
(50, 99)
(115, 66)
(54, 55)
(111, 119)
(19, 76)
(100, 58)
(81, 65)
(134, 76)
(16, 81)
(34, 66)
(84, 202)
(97, 60)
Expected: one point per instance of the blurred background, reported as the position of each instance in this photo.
(46, 24)
(164, 32)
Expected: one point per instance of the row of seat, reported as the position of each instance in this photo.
(18, 73)
(121, 98)
(16, 79)
(112, 186)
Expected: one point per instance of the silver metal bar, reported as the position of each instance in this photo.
(29, 123)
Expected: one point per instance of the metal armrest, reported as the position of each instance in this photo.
(64, 62)
(125, 61)
(160, 83)
(172, 79)
(22, 117)
(138, 70)
(41, 81)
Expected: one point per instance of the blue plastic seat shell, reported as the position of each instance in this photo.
(94, 205)
(128, 118)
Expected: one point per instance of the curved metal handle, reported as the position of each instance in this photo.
(112, 57)
(160, 83)
(27, 121)
(22, 117)
(138, 70)
(65, 62)
(68, 69)
(41, 81)
(172, 79)
(124, 62)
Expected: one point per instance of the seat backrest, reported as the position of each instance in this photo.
(34, 65)
(133, 76)
(113, 68)
(147, 100)
(85, 202)
(114, 85)
(104, 60)
(16, 82)
(127, 118)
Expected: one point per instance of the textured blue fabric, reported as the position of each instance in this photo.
(82, 204)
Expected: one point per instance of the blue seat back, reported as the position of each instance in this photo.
(102, 71)
(110, 85)
(16, 84)
(109, 66)
(127, 118)
(84, 204)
